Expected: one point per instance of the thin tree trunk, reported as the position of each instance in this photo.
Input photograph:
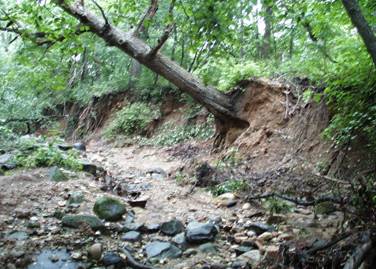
(359, 21)
(219, 104)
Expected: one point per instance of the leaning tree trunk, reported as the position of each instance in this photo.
(219, 104)
(353, 10)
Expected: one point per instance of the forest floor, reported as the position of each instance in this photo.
(240, 233)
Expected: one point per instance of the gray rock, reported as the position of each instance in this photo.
(239, 265)
(180, 241)
(200, 232)
(75, 221)
(131, 236)
(57, 175)
(208, 248)
(151, 228)
(79, 146)
(18, 235)
(259, 228)
(172, 227)
(162, 250)
(75, 197)
(242, 249)
(190, 252)
(6, 162)
(131, 226)
(112, 258)
(252, 257)
(95, 251)
(109, 208)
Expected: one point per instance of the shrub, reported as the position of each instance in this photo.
(230, 186)
(131, 120)
(48, 156)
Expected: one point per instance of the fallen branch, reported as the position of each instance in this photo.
(328, 245)
(359, 254)
(298, 201)
(131, 262)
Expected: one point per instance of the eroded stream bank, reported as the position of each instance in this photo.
(178, 227)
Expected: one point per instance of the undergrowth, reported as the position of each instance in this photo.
(171, 134)
(130, 120)
(230, 186)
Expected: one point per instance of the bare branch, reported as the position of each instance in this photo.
(106, 23)
(149, 14)
(162, 40)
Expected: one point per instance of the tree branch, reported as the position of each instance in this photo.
(162, 40)
(149, 14)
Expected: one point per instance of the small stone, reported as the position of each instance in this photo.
(172, 227)
(131, 226)
(200, 232)
(180, 241)
(95, 251)
(259, 228)
(54, 258)
(162, 250)
(151, 228)
(131, 236)
(76, 255)
(265, 236)
(252, 257)
(190, 252)
(272, 252)
(112, 258)
(109, 208)
(75, 197)
(246, 206)
(208, 248)
(241, 250)
(79, 146)
(57, 175)
(225, 199)
(75, 221)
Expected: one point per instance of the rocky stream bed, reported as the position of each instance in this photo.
(131, 213)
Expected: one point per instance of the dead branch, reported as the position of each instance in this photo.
(162, 40)
(106, 23)
(149, 14)
(331, 243)
(298, 201)
(359, 254)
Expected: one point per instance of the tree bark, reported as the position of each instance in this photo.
(219, 104)
(353, 10)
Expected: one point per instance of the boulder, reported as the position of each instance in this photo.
(200, 232)
(75, 197)
(109, 208)
(208, 248)
(172, 227)
(75, 221)
(162, 250)
(180, 241)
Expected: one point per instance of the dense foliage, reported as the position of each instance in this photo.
(47, 58)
